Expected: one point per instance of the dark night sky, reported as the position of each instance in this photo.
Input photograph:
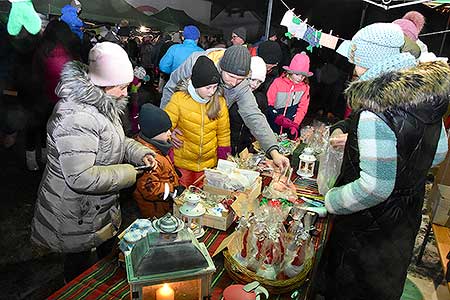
(344, 16)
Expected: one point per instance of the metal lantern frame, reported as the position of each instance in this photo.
(192, 211)
(307, 162)
(176, 278)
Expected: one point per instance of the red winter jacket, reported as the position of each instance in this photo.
(53, 65)
(288, 98)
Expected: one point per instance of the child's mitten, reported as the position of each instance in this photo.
(222, 152)
(23, 14)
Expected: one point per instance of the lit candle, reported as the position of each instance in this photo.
(165, 293)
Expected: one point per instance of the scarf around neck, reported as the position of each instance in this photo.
(162, 146)
(194, 95)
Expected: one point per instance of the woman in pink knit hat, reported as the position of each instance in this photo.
(411, 24)
(288, 97)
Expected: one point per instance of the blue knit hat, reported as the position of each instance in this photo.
(191, 32)
(373, 44)
(377, 48)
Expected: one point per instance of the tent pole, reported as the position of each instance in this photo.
(363, 15)
(445, 36)
(269, 16)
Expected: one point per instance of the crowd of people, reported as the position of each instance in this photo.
(99, 124)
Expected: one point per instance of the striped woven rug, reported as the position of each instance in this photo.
(107, 280)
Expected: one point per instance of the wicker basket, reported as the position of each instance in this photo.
(243, 275)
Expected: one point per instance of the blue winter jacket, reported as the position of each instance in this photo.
(69, 15)
(176, 55)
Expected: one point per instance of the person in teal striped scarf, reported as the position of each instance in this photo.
(394, 136)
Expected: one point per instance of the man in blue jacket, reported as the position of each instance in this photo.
(69, 15)
(178, 53)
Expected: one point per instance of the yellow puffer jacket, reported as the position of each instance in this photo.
(201, 136)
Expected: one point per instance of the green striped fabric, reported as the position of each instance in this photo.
(107, 280)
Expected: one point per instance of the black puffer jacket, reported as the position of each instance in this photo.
(369, 251)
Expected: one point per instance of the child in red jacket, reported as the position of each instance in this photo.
(288, 97)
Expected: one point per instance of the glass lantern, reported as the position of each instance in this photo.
(306, 164)
(192, 212)
(169, 264)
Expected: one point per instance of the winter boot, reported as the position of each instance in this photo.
(31, 161)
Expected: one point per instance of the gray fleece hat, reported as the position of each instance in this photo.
(236, 60)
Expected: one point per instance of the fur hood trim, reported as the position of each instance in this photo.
(182, 86)
(76, 86)
(401, 88)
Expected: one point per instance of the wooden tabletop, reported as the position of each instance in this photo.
(442, 236)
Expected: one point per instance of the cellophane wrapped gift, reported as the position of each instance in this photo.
(316, 136)
(265, 247)
(330, 162)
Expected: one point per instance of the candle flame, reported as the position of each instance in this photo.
(165, 288)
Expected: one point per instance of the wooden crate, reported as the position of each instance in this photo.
(216, 222)
(251, 193)
(439, 204)
(224, 221)
(442, 237)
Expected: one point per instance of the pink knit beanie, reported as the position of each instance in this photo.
(411, 24)
(408, 28)
(417, 18)
(109, 65)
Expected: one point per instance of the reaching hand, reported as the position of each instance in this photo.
(279, 160)
(279, 120)
(338, 141)
(294, 130)
(149, 160)
(176, 142)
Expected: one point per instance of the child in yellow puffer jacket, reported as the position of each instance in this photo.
(201, 114)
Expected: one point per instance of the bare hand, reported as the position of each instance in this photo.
(338, 141)
(279, 160)
(176, 142)
(149, 160)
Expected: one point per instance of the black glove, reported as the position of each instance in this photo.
(178, 190)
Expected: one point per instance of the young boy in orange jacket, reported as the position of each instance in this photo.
(155, 189)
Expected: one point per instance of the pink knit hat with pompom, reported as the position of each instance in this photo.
(409, 28)
(411, 24)
(417, 18)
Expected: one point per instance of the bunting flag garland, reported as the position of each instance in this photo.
(328, 40)
(301, 30)
(287, 18)
(296, 28)
(312, 36)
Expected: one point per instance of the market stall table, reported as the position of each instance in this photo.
(107, 280)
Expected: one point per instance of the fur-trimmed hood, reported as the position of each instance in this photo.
(427, 82)
(76, 86)
(182, 85)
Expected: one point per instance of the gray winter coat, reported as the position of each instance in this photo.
(77, 206)
(241, 94)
